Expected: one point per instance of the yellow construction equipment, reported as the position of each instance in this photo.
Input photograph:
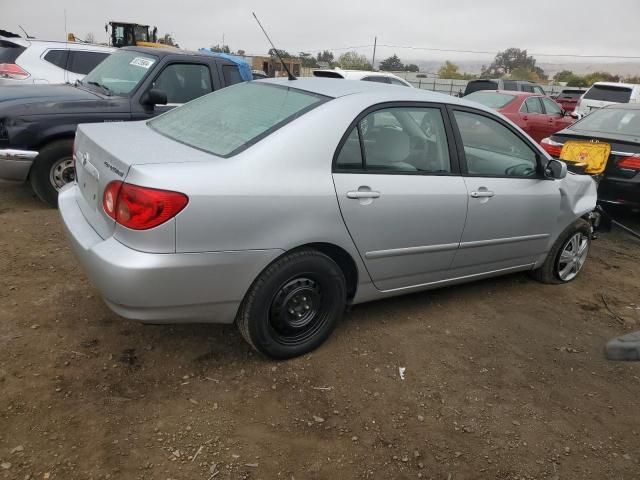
(125, 34)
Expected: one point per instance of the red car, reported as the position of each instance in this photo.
(537, 115)
(568, 98)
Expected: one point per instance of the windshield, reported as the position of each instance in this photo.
(491, 99)
(611, 120)
(121, 72)
(230, 120)
(609, 93)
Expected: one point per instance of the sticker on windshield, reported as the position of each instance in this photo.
(142, 62)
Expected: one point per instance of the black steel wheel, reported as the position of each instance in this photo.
(294, 304)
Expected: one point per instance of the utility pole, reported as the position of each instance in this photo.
(373, 60)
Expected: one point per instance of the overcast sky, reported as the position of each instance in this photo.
(591, 27)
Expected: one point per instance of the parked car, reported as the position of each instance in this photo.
(366, 75)
(537, 115)
(608, 139)
(258, 74)
(601, 94)
(501, 84)
(336, 193)
(568, 98)
(38, 123)
(27, 61)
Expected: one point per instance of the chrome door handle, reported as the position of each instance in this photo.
(363, 194)
(482, 194)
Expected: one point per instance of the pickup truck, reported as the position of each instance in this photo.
(38, 122)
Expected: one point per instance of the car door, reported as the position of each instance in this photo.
(512, 206)
(556, 120)
(400, 193)
(182, 82)
(534, 119)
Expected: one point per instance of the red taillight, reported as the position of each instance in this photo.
(13, 71)
(141, 208)
(632, 162)
(552, 147)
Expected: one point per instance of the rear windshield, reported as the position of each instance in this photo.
(476, 85)
(611, 120)
(9, 51)
(609, 93)
(230, 120)
(491, 99)
(570, 94)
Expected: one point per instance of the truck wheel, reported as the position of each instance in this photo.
(52, 170)
(567, 255)
(294, 305)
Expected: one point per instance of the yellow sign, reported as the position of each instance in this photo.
(591, 155)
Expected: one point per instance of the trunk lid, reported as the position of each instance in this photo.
(107, 152)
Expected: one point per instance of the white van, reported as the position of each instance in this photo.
(602, 94)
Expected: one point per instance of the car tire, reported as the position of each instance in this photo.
(52, 169)
(294, 305)
(562, 265)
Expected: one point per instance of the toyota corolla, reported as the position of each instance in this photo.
(275, 204)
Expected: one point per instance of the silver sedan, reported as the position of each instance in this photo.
(275, 204)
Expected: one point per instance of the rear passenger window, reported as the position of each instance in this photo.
(532, 105)
(510, 85)
(376, 79)
(84, 62)
(402, 139)
(527, 88)
(59, 58)
(491, 149)
(551, 107)
(183, 82)
(231, 74)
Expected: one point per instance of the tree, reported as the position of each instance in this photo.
(392, 63)
(220, 48)
(635, 79)
(449, 70)
(325, 56)
(576, 81)
(283, 53)
(90, 38)
(594, 77)
(563, 76)
(412, 67)
(308, 60)
(523, 73)
(241, 53)
(510, 59)
(353, 61)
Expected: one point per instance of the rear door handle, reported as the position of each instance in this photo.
(482, 194)
(363, 194)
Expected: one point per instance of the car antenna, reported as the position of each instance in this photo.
(290, 75)
(29, 37)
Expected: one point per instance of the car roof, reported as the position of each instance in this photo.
(513, 93)
(57, 44)
(164, 51)
(330, 88)
(615, 84)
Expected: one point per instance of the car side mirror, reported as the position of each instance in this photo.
(155, 96)
(555, 169)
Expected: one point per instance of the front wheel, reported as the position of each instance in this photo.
(52, 169)
(294, 305)
(567, 256)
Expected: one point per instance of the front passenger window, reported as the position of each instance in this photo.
(491, 149)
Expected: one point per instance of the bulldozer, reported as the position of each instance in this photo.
(125, 34)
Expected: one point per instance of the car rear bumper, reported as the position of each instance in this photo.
(620, 191)
(15, 164)
(161, 288)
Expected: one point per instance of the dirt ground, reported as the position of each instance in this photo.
(505, 379)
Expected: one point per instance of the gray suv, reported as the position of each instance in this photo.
(500, 84)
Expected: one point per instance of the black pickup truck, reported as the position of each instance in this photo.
(38, 123)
